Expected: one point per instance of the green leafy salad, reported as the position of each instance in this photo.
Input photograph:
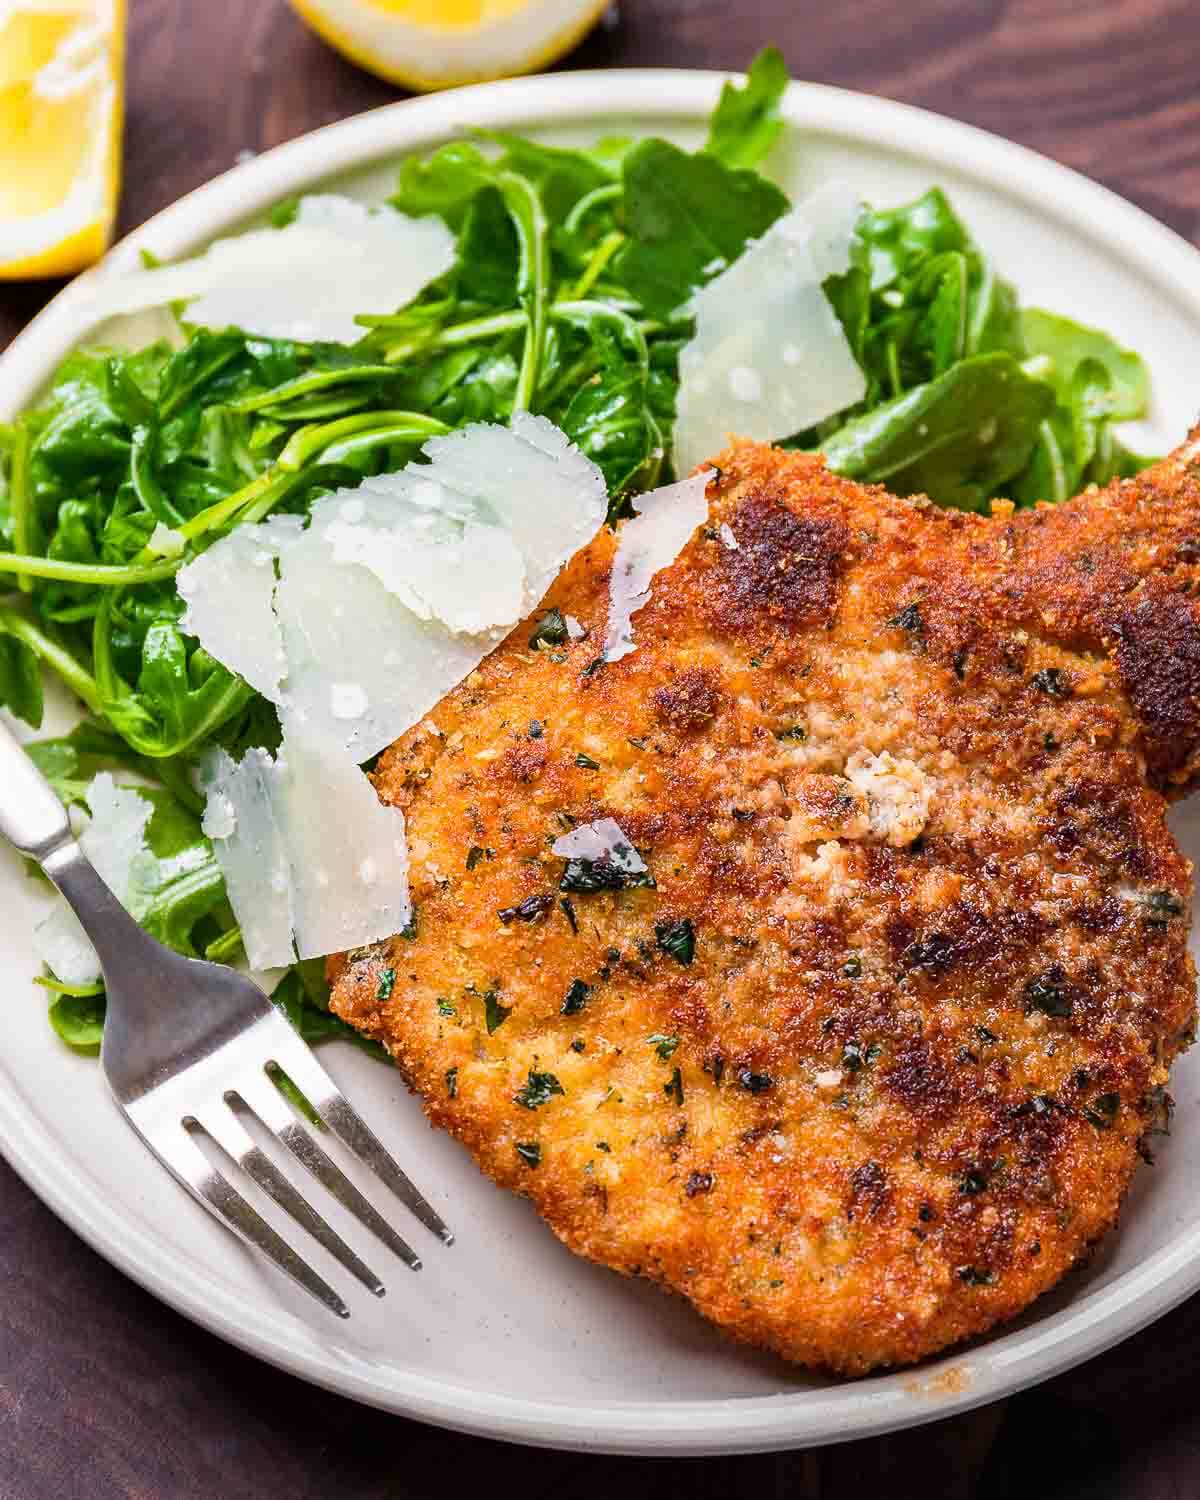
(571, 296)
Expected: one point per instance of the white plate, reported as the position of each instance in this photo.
(507, 1334)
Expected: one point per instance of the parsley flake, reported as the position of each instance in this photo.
(539, 1089)
(755, 1083)
(973, 1276)
(387, 983)
(678, 939)
(494, 1014)
(530, 910)
(1052, 681)
(576, 998)
(551, 631)
(909, 618)
(1048, 993)
(1102, 1111)
(530, 1152)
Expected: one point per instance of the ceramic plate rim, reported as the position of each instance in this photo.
(1098, 1319)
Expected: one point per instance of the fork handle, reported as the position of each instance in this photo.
(31, 816)
(116, 937)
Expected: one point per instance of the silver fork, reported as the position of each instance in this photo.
(186, 1041)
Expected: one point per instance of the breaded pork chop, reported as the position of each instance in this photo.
(869, 1065)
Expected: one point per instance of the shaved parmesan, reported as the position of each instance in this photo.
(602, 840)
(399, 588)
(115, 842)
(240, 818)
(469, 576)
(313, 861)
(650, 540)
(769, 357)
(229, 592)
(306, 281)
(361, 666)
(536, 483)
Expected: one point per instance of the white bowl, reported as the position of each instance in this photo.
(507, 1335)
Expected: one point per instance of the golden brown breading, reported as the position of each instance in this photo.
(903, 771)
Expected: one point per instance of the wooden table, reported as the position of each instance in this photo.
(103, 1392)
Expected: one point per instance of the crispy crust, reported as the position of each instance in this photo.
(903, 769)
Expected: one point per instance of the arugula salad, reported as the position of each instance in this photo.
(573, 294)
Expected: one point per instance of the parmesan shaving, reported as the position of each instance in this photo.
(313, 861)
(769, 357)
(533, 481)
(356, 627)
(469, 576)
(229, 592)
(602, 841)
(361, 666)
(651, 540)
(307, 281)
(115, 843)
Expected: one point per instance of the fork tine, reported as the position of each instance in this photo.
(233, 1138)
(259, 1094)
(189, 1164)
(293, 1056)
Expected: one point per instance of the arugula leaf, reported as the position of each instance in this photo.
(746, 122)
(488, 252)
(78, 1019)
(687, 217)
(180, 884)
(181, 698)
(958, 438)
(562, 177)
(1067, 345)
(1095, 383)
(609, 416)
(70, 762)
(20, 679)
(312, 1018)
(900, 240)
(444, 183)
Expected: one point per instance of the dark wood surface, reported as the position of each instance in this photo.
(105, 1393)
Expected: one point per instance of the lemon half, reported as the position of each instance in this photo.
(61, 64)
(438, 44)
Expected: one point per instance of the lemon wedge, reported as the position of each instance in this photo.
(438, 44)
(61, 65)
